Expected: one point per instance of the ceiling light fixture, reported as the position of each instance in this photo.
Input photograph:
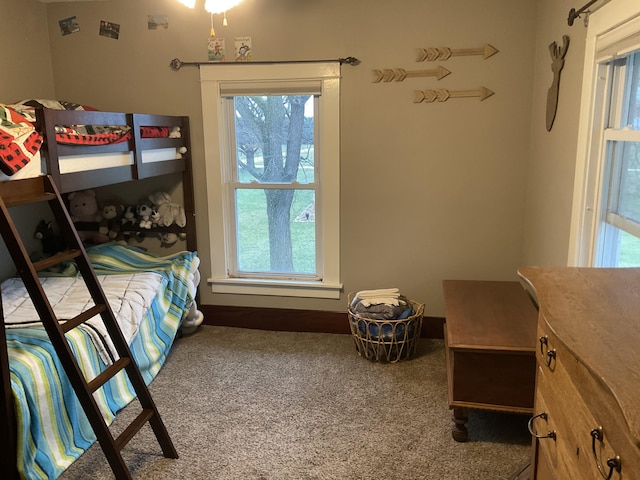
(214, 7)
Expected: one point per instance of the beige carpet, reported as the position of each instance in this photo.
(254, 405)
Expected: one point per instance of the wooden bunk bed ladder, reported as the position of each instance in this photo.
(43, 189)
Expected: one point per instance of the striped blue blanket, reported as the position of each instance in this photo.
(52, 428)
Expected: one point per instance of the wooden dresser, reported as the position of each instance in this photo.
(586, 422)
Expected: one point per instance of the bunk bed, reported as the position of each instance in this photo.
(81, 148)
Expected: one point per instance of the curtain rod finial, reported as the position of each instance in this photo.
(350, 60)
(175, 64)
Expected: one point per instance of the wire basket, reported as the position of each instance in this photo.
(386, 341)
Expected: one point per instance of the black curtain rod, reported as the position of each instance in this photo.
(177, 64)
(573, 13)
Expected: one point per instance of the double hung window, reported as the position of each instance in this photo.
(272, 156)
(618, 242)
(606, 221)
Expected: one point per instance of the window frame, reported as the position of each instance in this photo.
(612, 32)
(216, 80)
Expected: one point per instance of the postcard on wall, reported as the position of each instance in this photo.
(155, 22)
(243, 51)
(69, 26)
(215, 47)
(109, 29)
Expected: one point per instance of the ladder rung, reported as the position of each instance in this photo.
(56, 259)
(133, 428)
(29, 199)
(83, 317)
(26, 191)
(108, 373)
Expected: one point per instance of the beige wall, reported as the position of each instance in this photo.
(26, 73)
(25, 54)
(550, 171)
(459, 189)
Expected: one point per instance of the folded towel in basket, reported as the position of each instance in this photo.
(381, 292)
(381, 296)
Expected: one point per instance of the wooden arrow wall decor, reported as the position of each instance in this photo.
(431, 54)
(442, 95)
(399, 74)
(444, 53)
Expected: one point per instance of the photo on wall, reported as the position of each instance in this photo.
(109, 29)
(69, 26)
(156, 22)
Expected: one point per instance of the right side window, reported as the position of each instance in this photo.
(618, 239)
(605, 221)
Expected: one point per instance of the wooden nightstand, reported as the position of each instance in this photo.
(490, 336)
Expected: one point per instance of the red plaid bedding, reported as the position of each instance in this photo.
(70, 134)
(19, 141)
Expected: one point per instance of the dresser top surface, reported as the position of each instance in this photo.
(595, 313)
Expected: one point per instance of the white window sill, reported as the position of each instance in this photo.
(244, 286)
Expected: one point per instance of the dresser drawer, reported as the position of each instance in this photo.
(586, 437)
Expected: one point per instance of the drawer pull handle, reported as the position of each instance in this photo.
(544, 344)
(543, 415)
(614, 463)
(549, 355)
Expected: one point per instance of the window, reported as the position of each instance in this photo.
(272, 158)
(618, 242)
(606, 219)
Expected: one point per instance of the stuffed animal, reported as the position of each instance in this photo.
(111, 223)
(83, 207)
(128, 217)
(168, 212)
(168, 239)
(51, 243)
(144, 212)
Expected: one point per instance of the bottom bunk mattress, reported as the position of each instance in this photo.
(149, 296)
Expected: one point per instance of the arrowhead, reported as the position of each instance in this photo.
(430, 96)
(377, 76)
(400, 74)
(485, 93)
(418, 96)
(444, 53)
(442, 72)
(432, 54)
(387, 74)
(443, 95)
(489, 51)
(422, 55)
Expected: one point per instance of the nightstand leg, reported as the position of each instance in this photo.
(459, 430)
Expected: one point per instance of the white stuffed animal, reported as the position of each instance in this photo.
(168, 212)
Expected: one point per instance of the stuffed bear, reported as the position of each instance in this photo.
(111, 219)
(83, 207)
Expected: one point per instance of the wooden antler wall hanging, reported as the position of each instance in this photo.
(430, 55)
(557, 63)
